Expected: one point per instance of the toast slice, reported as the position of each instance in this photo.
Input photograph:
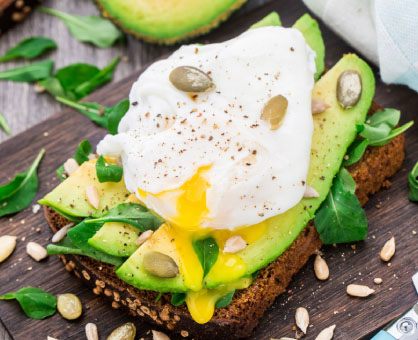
(242, 315)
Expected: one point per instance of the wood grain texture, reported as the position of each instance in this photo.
(327, 302)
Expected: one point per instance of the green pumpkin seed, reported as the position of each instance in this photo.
(160, 265)
(349, 88)
(191, 79)
(274, 111)
(125, 332)
(69, 306)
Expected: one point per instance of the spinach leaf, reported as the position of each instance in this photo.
(107, 117)
(4, 125)
(207, 252)
(35, 302)
(355, 151)
(92, 29)
(19, 193)
(177, 299)
(29, 73)
(395, 132)
(65, 246)
(413, 184)
(80, 234)
(81, 155)
(53, 86)
(130, 213)
(108, 172)
(225, 300)
(29, 48)
(72, 76)
(340, 218)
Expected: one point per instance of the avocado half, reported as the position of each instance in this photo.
(168, 21)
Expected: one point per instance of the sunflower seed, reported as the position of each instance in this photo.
(91, 332)
(50, 338)
(7, 245)
(359, 290)
(36, 251)
(326, 334)
(378, 280)
(60, 234)
(388, 250)
(349, 88)
(70, 166)
(318, 106)
(143, 237)
(156, 335)
(321, 268)
(274, 111)
(310, 192)
(234, 244)
(160, 265)
(93, 196)
(69, 306)
(302, 319)
(190, 79)
(126, 332)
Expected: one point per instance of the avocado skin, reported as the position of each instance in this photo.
(168, 31)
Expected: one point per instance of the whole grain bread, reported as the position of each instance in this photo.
(242, 315)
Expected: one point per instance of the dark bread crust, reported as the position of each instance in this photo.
(241, 316)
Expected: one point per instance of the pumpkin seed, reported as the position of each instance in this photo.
(69, 306)
(349, 88)
(7, 246)
(191, 79)
(274, 111)
(125, 332)
(160, 265)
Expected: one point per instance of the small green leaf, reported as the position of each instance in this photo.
(35, 302)
(413, 184)
(391, 135)
(4, 125)
(115, 114)
(340, 218)
(177, 299)
(76, 74)
(81, 155)
(108, 172)
(207, 252)
(92, 29)
(130, 213)
(347, 181)
(225, 300)
(29, 73)
(53, 86)
(355, 151)
(386, 116)
(29, 48)
(19, 193)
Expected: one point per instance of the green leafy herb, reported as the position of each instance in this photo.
(29, 48)
(130, 213)
(340, 218)
(29, 73)
(225, 300)
(92, 29)
(75, 81)
(108, 172)
(81, 155)
(391, 135)
(35, 302)
(177, 299)
(107, 117)
(413, 184)
(207, 252)
(4, 125)
(355, 151)
(19, 193)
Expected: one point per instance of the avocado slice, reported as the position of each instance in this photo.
(69, 198)
(309, 27)
(115, 238)
(272, 19)
(170, 21)
(334, 131)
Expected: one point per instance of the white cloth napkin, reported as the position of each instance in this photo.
(385, 31)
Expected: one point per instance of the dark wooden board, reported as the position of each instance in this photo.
(327, 301)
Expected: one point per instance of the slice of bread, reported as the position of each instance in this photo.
(241, 316)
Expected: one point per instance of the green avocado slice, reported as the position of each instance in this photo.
(272, 19)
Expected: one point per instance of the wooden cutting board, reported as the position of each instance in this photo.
(389, 213)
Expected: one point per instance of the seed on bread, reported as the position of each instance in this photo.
(156, 335)
(160, 265)
(326, 334)
(359, 290)
(36, 251)
(7, 246)
(388, 250)
(321, 268)
(310, 192)
(302, 319)
(93, 196)
(60, 234)
(143, 237)
(71, 166)
(234, 244)
(318, 106)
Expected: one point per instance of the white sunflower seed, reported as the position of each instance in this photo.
(70, 166)
(321, 268)
(93, 196)
(7, 246)
(318, 106)
(326, 334)
(156, 335)
(36, 251)
(359, 290)
(143, 237)
(91, 332)
(302, 319)
(234, 244)
(35, 208)
(388, 250)
(310, 192)
(60, 234)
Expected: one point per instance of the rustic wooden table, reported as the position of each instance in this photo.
(23, 107)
